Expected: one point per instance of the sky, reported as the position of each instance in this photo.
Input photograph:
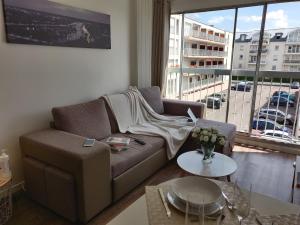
(282, 15)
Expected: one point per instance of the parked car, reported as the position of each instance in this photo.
(285, 94)
(276, 115)
(212, 103)
(295, 85)
(276, 93)
(263, 124)
(220, 96)
(242, 86)
(276, 133)
(281, 101)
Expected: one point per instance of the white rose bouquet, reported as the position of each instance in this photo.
(208, 139)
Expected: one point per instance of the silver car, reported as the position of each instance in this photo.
(276, 133)
(211, 102)
(221, 96)
(276, 115)
(295, 85)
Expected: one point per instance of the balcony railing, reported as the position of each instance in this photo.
(202, 52)
(292, 68)
(293, 40)
(265, 42)
(206, 36)
(254, 62)
(255, 51)
(221, 66)
(275, 118)
(292, 61)
(292, 52)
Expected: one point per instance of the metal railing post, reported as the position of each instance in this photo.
(231, 64)
(296, 125)
(255, 80)
(181, 57)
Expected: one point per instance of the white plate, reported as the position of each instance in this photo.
(212, 209)
(197, 190)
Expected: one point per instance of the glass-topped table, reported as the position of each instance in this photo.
(136, 213)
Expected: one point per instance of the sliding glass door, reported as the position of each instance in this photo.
(237, 61)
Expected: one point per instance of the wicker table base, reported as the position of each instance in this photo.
(5, 200)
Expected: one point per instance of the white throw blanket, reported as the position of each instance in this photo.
(135, 115)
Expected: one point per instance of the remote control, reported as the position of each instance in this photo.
(139, 141)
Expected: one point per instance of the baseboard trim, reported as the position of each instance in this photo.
(251, 140)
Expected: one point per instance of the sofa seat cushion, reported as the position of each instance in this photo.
(124, 160)
(227, 129)
(153, 98)
(88, 119)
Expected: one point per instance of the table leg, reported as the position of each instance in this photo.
(184, 174)
(293, 183)
(228, 178)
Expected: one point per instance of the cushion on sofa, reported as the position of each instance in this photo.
(124, 160)
(111, 116)
(226, 129)
(153, 97)
(88, 119)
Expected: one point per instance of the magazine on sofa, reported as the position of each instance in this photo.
(118, 140)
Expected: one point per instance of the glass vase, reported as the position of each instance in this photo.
(207, 153)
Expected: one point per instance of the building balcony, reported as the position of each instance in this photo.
(201, 53)
(292, 52)
(292, 61)
(292, 68)
(293, 41)
(262, 62)
(220, 66)
(206, 37)
(214, 66)
(257, 42)
(263, 51)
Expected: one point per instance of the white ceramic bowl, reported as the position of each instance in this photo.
(193, 210)
(197, 190)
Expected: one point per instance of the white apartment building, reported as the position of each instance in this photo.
(280, 51)
(204, 46)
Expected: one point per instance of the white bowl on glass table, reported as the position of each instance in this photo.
(197, 192)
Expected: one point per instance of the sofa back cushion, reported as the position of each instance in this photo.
(153, 97)
(112, 118)
(88, 119)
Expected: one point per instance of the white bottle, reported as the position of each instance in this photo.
(4, 164)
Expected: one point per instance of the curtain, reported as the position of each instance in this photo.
(160, 42)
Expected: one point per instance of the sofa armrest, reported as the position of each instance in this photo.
(90, 167)
(179, 108)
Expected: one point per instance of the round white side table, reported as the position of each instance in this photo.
(221, 165)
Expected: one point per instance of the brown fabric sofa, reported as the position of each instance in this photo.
(78, 182)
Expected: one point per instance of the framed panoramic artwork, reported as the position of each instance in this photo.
(42, 22)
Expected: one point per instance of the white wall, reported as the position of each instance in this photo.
(33, 79)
